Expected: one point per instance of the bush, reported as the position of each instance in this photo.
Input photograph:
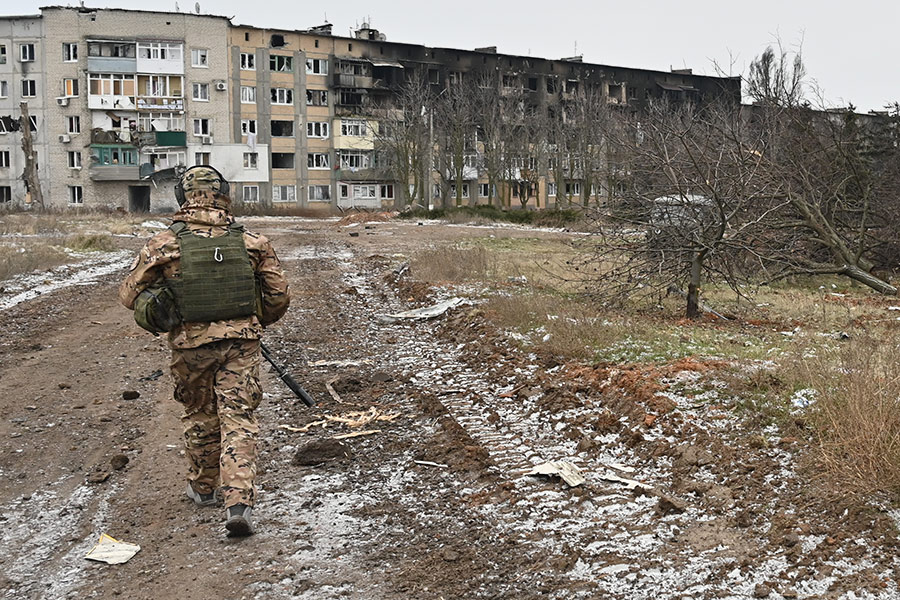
(856, 412)
(91, 242)
(485, 213)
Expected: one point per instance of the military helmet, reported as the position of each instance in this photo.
(200, 177)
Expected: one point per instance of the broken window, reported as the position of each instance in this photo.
(248, 62)
(4, 159)
(351, 97)
(282, 129)
(387, 191)
(282, 160)
(317, 129)
(319, 193)
(2, 54)
(317, 97)
(533, 84)
(317, 160)
(571, 86)
(282, 96)
(76, 194)
(201, 127)
(354, 127)
(316, 66)
(26, 52)
(251, 160)
(277, 40)
(284, 193)
(284, 64)
(5, 193)
(200, 57)
(70, 52)
(434, 76)
(248, 126)
(355, 159)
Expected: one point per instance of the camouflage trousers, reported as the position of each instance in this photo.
(218, 386)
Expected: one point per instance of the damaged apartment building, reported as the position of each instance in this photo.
(122, 100)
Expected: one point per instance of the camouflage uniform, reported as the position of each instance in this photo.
(215, 365)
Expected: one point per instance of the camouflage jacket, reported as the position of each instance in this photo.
(208, 215)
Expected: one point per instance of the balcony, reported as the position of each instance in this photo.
(353, 81)
(114, 172)
(160, 103)
(112, 64)
(370, 174)
(101, 136)
(162, 138)
(110, 102)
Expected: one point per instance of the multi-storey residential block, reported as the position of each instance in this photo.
(124, 99)
(22, 79)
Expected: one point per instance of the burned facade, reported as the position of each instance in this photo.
(123, 99)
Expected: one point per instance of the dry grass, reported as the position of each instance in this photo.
(453, 264)
(91, 242)
(15, 260)
(856, 412)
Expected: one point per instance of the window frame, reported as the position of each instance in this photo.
(248, 94)
(250, 63)
(309, 193)
(318, 161)
(199, 87)
(33, 87)
(282, 96)
(251, 160)
(76, 194)
(247, 188)
(73, 120)
(286, 61)
(70, 52)
(324, 128)
(197, 53)
(24, 50)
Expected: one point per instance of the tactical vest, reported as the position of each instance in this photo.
(216, 279)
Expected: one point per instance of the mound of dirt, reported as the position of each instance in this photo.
(367, 217)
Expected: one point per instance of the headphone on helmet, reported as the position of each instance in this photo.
(223, 189)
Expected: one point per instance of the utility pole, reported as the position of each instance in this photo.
(29, 175)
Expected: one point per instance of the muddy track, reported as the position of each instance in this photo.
(436, 503)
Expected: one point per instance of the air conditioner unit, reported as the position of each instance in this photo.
(62, 101)
(221, 86)
(64, 139)
(206, 140)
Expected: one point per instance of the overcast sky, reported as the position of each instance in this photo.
(850, 48)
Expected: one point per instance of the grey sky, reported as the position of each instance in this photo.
(849, 47)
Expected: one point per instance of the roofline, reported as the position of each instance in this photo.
(480, 53)
(88, 9)
(10, 17)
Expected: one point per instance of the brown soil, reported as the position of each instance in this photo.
(434, 501)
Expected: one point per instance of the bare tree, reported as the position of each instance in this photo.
(30, 174)
(402, 138)
(455, 133)
(776, 79)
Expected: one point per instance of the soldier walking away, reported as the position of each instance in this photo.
(212, 286)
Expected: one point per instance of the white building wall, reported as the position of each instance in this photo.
(15, 31)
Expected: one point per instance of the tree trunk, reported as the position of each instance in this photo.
(857, 274)
(29, 175)
(693, 294)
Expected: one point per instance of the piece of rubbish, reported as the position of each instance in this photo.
(355, 434)
(629, 483)
(339, 363)
(563, 468)
(428, 463)
(360, 418)
(97, 476)
(330, 388)
(112, 551)
(427, 312)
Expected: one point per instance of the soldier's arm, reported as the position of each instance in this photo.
(276, 296)
(148, 267)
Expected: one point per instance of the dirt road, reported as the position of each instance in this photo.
(435, 501)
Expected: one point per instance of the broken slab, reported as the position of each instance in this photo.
(427, 312)
(563, 468)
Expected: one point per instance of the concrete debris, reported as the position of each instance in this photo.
(563, 468)
(629, 483)
(111, 551)
(428, 312)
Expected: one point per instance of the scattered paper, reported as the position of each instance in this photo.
(563, 468)
(355, 434)
(112, 551)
